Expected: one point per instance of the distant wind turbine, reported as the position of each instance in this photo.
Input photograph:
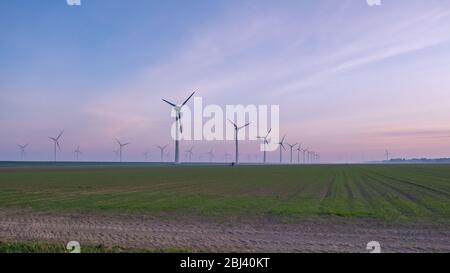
(56, 144)
(281, 144)
(179, 126)
(162, 148)
(77, 153)
(116, 154)
(304, 155)
(265, 141)
(387, 154)
(121, 145)
(236, 130)
(211, 155)
(190, 153)
(146, 155)
(291, 146)
(227, 157)
(22, 150)
(299, 150)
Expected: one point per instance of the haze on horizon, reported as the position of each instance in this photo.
(351, 80)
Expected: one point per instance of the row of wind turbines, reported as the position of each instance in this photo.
(308, 156)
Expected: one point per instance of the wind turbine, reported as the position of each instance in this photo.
(291, 146)
(227, 157)
(56, 143)
(162, 148)
(265, 142)
(304, 155)
(116, 154)
(179, 126)
(236, 130)
(190, 153)
(299, 150)
(146, 155)
(211, 155)
(22, 150)
(77, 152)
(121, 145)
(387, 154)
(309, 156)
(281, 143)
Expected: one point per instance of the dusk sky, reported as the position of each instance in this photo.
(351, 79)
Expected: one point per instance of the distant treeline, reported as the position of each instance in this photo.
(418, 160)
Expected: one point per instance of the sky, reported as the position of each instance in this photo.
(351, 79)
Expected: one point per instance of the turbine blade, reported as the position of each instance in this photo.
(168, 102)
(269, 132)
(59, 147)
(242, 127)
(186, 101)
(282, 140)
(60, 134)
(235, 126)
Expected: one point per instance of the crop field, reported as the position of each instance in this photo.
(385, 192)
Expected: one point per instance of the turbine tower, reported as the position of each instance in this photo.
(179, 126)
(162, 148)
(190, 153)
(265, 142)
(56, 144)
(77, 153)
(291, 146)
(22, 150)
(236, 130)
(121, 145)
(281, 144)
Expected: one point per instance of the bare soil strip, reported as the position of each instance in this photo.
(153, 233)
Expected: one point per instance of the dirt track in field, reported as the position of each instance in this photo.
(143, 232)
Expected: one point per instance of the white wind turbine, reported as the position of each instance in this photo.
(162, 148)
(77, 153)
(387, 154)
(227, 157)
(299, 150)
(56, 144)
(309, 156)
(236, 130)
(281, 144)
(179, 126)
(304, 155)
(121, 145)
(22, 150)
(146, 155)
(291, 146)
(211, 155)
(190, 153)
(116, 154)
(265, 142)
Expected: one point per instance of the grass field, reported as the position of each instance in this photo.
(387, 192)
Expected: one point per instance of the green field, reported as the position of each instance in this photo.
(388, 192)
